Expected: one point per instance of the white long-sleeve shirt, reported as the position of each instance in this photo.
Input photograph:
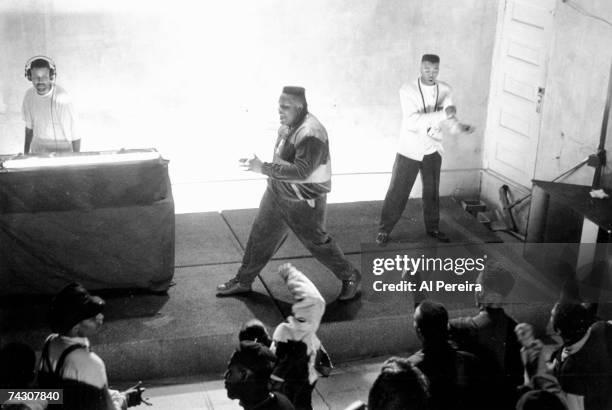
(307, 312)
(422, 117)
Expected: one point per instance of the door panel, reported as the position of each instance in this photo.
(519, 73)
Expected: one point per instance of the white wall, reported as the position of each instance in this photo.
(199, 80)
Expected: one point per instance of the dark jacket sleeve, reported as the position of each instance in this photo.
(292, 361)
(463, 331)
(309, 154)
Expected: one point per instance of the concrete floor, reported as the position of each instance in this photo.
(190, 332)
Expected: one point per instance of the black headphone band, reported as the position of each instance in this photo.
(28, 66)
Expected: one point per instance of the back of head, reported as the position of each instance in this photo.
(17, 364)
(255, 357)
(399, 386)
(431, 320)
(540, 400)
(496, 280)
(254, 330)
(16, 406)
(571, 321)
(72, 305)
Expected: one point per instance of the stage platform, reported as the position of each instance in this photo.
(189, 331)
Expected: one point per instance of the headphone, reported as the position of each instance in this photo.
(28, 67)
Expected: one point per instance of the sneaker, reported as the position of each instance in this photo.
(232, 287)
(441, 236)
(382, 238)
(351, 287)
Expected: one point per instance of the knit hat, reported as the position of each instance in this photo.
(255, 357)
(71, 305)
(431, 58)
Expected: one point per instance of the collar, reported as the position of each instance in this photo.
(422, 84)
(75, 340)
(575, 348)
(258, 405)
(49, 93)
(298, 123)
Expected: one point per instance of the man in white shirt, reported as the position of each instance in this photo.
(47, 111)
(427, 108)
(67, 360)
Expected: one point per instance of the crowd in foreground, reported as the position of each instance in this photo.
(488, 361)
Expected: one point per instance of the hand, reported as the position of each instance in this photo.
(251, 164)
(451, 111)
(284, 270)
(133, 396)
(466, 128)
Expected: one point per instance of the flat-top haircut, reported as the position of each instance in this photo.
(299, 92)
(430, 58)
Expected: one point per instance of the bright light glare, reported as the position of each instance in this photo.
(79, 160)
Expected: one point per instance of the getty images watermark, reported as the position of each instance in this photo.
(403, 273)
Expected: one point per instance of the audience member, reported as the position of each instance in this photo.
(456, 378)
(295, 341)
(490, 334)
(583, 365)
(540, 400)
(17, 371)
(399, 386)
(17, 366)
(67, 361)
(248, 375)
(255, 331)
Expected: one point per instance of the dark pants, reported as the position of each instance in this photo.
(300, 394)
(404, 174)
(276, 216)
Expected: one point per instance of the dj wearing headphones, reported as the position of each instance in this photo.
(47, 111)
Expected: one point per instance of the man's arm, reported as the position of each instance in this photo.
(29, 134)
(309, 155)
(413, 114)
(463, 330)
(298, 284)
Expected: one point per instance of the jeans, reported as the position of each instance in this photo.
(276, 216)
(404, 174)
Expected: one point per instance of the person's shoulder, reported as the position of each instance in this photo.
(410, 86)
(416, 358)
(29, 94)
(311, 127)
(61, 96)
(602, 329)
(83, 357)
(444, 86)
(282, 402)
(312, 122)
